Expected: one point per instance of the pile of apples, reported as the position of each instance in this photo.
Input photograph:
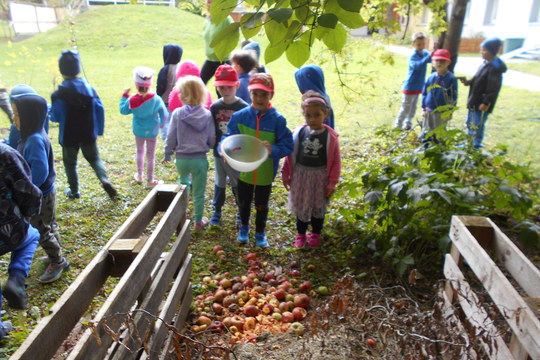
(256, 302)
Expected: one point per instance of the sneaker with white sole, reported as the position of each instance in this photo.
(261, 240)
(53, 271)
(243, 234)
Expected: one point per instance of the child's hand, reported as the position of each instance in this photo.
(268, 147)
(286, 184)
(329, 192)
(464, 80)
(126, 92)
(483, 107)
(165, 162)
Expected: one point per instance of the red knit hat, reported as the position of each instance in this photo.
(441, 54)
(226, 76)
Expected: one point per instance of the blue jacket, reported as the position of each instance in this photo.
(439, 91)
(311, 77)
(272, 128)
(416, 76)
(35, 145)
(148, 114)
(242, 92)
(79, 110)
(19, 199)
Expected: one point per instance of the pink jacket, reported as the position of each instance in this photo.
(333, 155)
(186, 67)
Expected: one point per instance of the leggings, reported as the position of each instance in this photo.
(245, 197)
(150, 156)
(316, 225)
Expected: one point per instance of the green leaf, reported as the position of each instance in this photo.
(351, 5)
(251, 24)
(404, 263)
(336, 38)
(302, 13)
(226, 40)
(328, 20)
(220, 9)
(298, 53)
(274, 51)
(350, 19)
(275, 32)
(373, 197)
(280, 15)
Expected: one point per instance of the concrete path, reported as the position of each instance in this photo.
(468, 66)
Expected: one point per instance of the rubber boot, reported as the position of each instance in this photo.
(219, 200)
(15, 291)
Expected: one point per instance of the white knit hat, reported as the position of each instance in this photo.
(143, 76)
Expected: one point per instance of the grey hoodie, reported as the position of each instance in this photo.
(191, 133)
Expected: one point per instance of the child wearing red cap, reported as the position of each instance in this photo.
(439, 97)
(263, 121)
(226, 84)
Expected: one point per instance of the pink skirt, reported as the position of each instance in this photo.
(307, 195)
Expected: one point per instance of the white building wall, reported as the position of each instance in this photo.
(511, 21)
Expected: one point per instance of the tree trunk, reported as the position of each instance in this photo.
(455, 27)
(442, 37)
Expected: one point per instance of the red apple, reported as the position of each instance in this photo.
(287, 317)
(217, 248)
(218, 309)
(299, 313)
(251, 256)
(267, 309)
(305, 287)
(301, 300)
(294, 273)
(216, 325)
(251, 310)
(280, 294)
(284, 306)
(226, 283)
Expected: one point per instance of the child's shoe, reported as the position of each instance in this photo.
(5, 328)
(109, 189)
(152, 183)
(243, 234)
(72, 195)
(300, 240)
(215, 219)
(200, 225)
(138, 178)
(15, 291)
(261, 240)
(53, 271)
(314, 240)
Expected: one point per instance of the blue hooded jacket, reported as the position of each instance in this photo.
(35, 146)
(79, 110)
(172, 54)
(311, 77)
(416, 75)
(148, 114)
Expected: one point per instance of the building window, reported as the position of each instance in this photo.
(491, 12)
(535, 12)
(425, 17)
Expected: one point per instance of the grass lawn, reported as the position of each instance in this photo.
(531, 67)
(113, 40)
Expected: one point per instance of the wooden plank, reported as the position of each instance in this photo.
(492, 343)
(131, 284)
(516, 312)
(139, 219)
(51, 331)
(517, 349)
(166, 194)
(157, 346)
(522, 269)
(124, 245)
(159, 286)
(480, 228)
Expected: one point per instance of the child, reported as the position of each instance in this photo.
(166, 79)
(263, 121)
(310, 173)
(191, 135)
(311, 77)
(485, 86)
(149, 113)
(29, 115)
(78, 109)
(226, 84)
(255, 47)
(20, 200)
(186, 68)
(439, 96)
(243, 62)
(414, 81)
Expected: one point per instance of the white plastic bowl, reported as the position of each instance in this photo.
(243, 153)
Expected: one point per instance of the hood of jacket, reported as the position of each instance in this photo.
(172, 54)
(80, 86)
(310, 77)
(21, 89)
(498, 65)
(188, 67)
(193, 116)
(253, 46)
(32, 110)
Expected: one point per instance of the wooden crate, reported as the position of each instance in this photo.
(146, 272)
(473, 239)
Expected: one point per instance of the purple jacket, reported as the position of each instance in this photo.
(191, 133)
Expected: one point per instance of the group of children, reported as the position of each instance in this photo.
(440, 90)
(196, 125)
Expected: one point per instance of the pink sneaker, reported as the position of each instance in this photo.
(152, 183)
(300, 241)
(314, 240)
(200, 225)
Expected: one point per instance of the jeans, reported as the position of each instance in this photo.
(222, 172)
(91, 154)
(476, 124)
(197, 169)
